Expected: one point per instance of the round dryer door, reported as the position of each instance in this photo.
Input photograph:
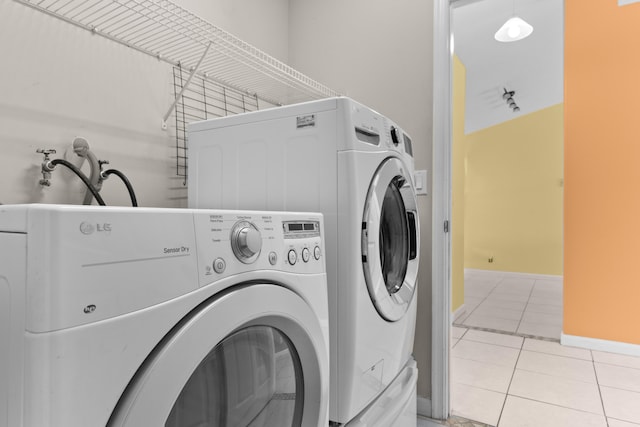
(252, 357)
(390, 240)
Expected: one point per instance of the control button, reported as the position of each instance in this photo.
(273, 258)
(316, 252)
(219, 265)
(292, 256)
(306, 254)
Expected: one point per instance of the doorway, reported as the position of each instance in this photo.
(507, 168)
(444, 208)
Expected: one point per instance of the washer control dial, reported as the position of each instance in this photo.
(316, 252)
(246, 241)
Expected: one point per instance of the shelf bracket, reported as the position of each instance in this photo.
(185, 86)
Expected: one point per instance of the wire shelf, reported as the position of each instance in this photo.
(175, 35)
(202, 100)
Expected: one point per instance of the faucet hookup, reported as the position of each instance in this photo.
(47, 167)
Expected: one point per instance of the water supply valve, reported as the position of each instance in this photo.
(101, 163)
(47, 167)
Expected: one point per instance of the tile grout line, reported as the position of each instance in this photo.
(513, 374)
(458, 339)
(555, 405)
(513, 334)
(616, 366)
(483, 299)
(525, 306)
(590, 358)
(557, 376)
(595, 371)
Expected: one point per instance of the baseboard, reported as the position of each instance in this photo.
(600, 345)
(459, 312)
(424, 407)
(428, 422)
(512, 274)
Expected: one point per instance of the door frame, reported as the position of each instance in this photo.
(441, 240)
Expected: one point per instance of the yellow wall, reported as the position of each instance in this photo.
(513, 203)
(602, 170)
(457, 184)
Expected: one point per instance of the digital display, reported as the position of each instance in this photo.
(301, 229)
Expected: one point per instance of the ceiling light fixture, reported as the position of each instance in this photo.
(508, 97)
(514, 29)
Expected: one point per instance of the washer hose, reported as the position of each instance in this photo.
(81, 148)
(80, 175)
(132, 194)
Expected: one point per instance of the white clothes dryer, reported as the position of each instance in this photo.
(355, 166)
(162, 317)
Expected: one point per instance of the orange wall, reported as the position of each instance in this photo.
(602, 170)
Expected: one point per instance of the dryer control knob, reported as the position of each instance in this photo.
(395, 138)
(246, 241)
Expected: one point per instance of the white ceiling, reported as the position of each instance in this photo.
(532, 67)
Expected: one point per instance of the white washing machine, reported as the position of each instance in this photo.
(355, 166)
(162, 317)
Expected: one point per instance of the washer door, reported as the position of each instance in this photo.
(390, 240)
(255, 356)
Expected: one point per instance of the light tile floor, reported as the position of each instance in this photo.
(527, 306)
(511, 381)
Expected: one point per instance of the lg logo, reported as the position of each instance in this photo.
(89, 228)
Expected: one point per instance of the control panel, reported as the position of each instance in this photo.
(377, 130)
(82, 261)
(230, 243)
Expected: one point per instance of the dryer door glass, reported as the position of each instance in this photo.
(253, 355)
(394, 238)
(251, 379)
(390, 240)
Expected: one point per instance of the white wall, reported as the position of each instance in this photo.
(262, 23)
(379, 53)
(58, 81)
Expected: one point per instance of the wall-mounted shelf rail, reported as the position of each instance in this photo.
(173, 34)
